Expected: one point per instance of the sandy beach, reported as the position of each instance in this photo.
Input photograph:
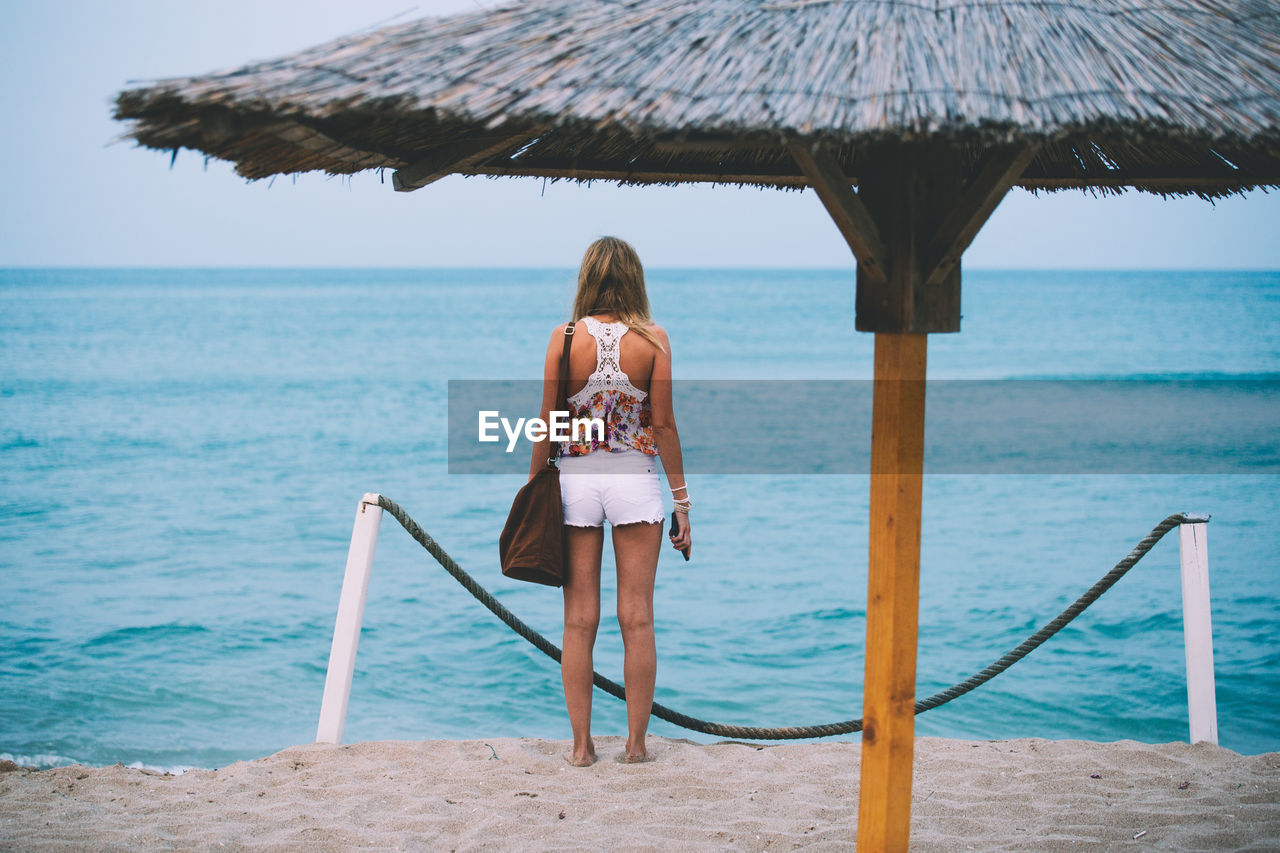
(520, 795)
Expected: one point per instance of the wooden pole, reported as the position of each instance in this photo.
(893, 592)
(346, 628)
(908, 223)
(1197, 628)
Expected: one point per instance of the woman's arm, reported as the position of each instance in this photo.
(550, 384)
(665, 435)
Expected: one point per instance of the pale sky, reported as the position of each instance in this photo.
(73, 200)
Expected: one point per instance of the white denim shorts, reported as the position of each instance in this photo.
(621, 486)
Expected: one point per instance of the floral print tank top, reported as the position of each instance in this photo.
(610, 396)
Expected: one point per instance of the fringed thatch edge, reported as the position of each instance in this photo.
(1161, 160)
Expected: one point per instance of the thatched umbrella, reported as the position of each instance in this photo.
(932, 108)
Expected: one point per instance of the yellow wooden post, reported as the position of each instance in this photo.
(917, 207)
(893, 592)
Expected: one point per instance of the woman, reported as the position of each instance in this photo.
(620, 372)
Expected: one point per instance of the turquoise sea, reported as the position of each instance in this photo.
(182, 452)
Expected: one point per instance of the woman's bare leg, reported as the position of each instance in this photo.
(581, 619)
(636, 547)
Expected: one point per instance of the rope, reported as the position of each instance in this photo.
(789, 732)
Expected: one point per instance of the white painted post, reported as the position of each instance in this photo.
(1197, 629)
(346, 631)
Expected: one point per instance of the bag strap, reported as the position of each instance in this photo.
(562, 386)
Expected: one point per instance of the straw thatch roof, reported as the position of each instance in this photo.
(1170, 96)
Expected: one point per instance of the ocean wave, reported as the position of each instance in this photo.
(147, 633)
(41, 760)
(48, 761)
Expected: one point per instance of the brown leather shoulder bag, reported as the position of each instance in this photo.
(533, 545)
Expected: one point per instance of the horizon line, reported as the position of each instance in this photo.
(554, 268)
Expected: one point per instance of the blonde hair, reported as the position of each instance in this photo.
(611, 280)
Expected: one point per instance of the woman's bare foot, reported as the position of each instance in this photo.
(635, 753)
(584, 757)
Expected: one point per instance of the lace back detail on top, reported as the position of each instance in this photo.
(608, 375)
(610, 396)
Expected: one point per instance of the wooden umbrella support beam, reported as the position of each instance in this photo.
(845, 207)
(996, 172)
(908, 224)
(893, 592)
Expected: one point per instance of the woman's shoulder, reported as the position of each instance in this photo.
(556, 342)
(558, 331)
(660, 334)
